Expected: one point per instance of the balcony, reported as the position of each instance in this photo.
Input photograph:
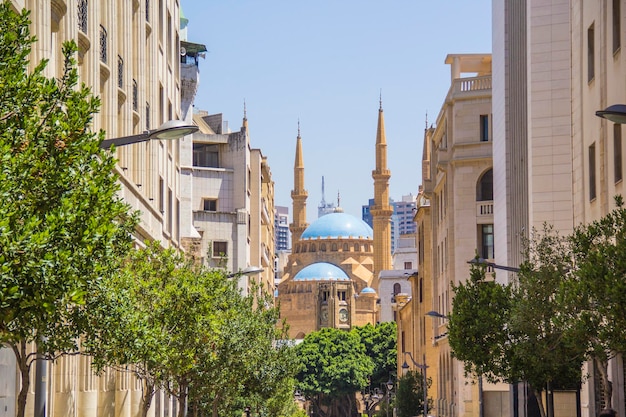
(484, 212)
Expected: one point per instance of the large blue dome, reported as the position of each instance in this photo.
(338, 225)
(321, 271)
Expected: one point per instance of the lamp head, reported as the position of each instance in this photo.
(615, 113)
(172, 129)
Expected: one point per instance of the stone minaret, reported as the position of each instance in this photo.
(298, 194)
(382, 211)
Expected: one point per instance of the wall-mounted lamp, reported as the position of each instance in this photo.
(615, 113)
(482, 261)
(422, 367)
(249, 270)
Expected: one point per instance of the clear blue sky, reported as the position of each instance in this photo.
(325, 62)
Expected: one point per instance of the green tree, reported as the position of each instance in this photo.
(62, 225)
(380, 343)
(547, 344)
(334, 366)
(599, 288)
(410, 395)
(477, 326)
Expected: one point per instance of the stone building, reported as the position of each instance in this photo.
(231, 196)
(454, 218)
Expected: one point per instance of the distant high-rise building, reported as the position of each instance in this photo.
(401, 219)
(281, 228)
(324, 207)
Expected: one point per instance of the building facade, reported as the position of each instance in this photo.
(129, 55)
(232, 200)
(454, 218)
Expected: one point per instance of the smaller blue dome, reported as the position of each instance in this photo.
(368, 290)
(321, 271)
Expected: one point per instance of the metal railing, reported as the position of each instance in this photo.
(82, 16)
(135, 96)
(103, 44)
(120, 72)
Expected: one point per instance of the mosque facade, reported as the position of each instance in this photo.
(331, 276)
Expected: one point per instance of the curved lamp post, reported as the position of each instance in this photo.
(371, 400)
(249, 270)
(422, 367)
(482, 261)
(173, 129)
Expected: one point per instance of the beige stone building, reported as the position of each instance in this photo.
(454, 219)
(555, 64)
(135, 56)
(332, 274)
(231, 197)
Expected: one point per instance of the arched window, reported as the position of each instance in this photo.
(333, 247)
(356, 247)
(313, 248)
(396, 288)
(323, 247)
(346, 248)
(484, 188)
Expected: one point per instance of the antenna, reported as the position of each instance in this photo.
(323, 200)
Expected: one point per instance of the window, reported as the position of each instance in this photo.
(484, 190)
(484, 128)
(209, 204)
(220, 249)
(590, 53)
(408, 265)
(205, 155)
(396, 288)
(592, 172)
(341, 295)
(617, 29)
(617, 151)
(486, 244)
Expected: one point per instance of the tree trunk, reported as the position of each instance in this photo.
(214, 405)
(607, 386)
(182, 400)
(542, 409)
(147, 396)
(22, 362)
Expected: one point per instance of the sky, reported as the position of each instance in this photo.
(323, 66)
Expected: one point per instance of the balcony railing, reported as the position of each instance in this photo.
(484, 208)
(135, 96)
(82, 16)
(103, 44)
(472, 84)
(120, 72)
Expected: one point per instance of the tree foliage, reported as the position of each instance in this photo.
(380, 346)
(62, 225)
(410, 395)
(189, 330)
(477, 326)
(334, 366)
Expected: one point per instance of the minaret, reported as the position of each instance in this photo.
(298, 194)
(382, 211)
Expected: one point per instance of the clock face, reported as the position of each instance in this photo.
(343, 315)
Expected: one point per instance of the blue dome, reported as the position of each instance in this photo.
(368, 290)
(338, 225)
(321, 271)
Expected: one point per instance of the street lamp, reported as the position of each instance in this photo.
(371, 400)
(173, 129)
(389, 388)
(422, 367)
(436, 314)
(482, 261)
(615, 113)
(248, 270)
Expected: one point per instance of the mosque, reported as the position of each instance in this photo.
(331, 276)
